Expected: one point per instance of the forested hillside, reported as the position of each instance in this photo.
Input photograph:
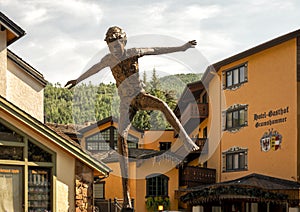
(90, 103)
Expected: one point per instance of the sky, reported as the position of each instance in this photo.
(63, 38)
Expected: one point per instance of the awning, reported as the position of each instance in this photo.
(251, 188)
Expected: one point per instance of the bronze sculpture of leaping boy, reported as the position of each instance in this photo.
(124, 66)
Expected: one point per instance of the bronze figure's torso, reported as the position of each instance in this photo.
(126, 74)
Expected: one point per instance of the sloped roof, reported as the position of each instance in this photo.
(56, 136)
(264, 181)
(26, 67)
(113, 156)
(212, 69)
(191, 93)
(104, 121)
(139, 154)
(256, 187)
(14, 32)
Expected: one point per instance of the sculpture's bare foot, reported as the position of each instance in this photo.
(190, 145)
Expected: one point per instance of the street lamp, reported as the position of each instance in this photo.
(160, 208)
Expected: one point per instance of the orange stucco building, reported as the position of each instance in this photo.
(148, 160)
(252, 127)
(244, 116)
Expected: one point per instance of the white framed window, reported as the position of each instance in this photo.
(157, 185)
(99, 189)
(235, 77)
(235, 159)
(235, 117)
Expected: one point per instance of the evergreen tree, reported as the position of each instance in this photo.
(88, 102)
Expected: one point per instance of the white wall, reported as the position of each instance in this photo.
(3, 63)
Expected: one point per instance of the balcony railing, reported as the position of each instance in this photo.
(202, 143)
(192, 176)
(194, 111)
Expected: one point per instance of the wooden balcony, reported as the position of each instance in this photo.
(192, 176)
(202, 143)
(193, 114)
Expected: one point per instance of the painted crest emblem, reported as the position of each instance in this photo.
(270, 140)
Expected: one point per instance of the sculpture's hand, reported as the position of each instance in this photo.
(70, 84)
(190, 44)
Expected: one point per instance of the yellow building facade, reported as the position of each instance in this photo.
(253, 129)
(243, 115)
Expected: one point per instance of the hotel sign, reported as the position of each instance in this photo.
(273, 117)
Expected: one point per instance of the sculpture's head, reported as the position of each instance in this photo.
(116, 40)
(115, 33)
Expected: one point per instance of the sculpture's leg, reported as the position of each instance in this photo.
(149, 102)
(124, 126)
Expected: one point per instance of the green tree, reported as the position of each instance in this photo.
(88, 102)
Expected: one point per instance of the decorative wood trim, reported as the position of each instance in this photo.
(298, 58)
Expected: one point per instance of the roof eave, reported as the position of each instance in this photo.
(53, 136)
(26, 67)
(212, 70)
(12, 27)
(256, 49)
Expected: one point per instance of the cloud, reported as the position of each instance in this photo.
(63, 35)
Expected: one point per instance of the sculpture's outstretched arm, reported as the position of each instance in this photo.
(91, 71)
(166, 50)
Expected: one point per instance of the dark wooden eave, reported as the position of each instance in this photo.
(110, 119)
(212, 69)
(263, 185)
(14, 31)
(194, 88)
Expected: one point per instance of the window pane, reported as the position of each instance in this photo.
(11, 189)
(37, 154)
(132, 145)
(165, 187)
(105, 135)
(242, 160)
(229, 120)
(235, 120)
(92, 146)
(242, 74)
(104, 145)
(236, 76)
(11, 153)
(9, 135)
(228, 78)
(99, 190)
(39, 188)
(229, 162)
(157, 186)
(235, 161)
(115, 134)
(164, 146)
(132, 138)
(93, 137)
(242, 117)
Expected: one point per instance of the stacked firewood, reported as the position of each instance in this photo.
(82, 202)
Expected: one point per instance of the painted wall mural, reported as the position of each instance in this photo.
(271, 140)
